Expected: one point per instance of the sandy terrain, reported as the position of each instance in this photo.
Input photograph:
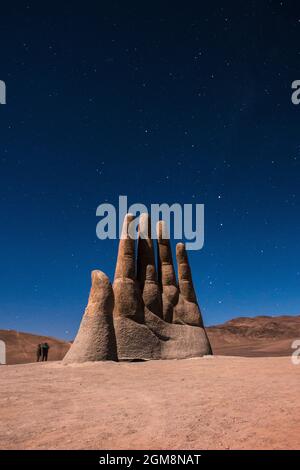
(212, 402)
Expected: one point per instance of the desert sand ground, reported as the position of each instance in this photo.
(203, 403)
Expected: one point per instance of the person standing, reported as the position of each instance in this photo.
(45, 349)
(38, 352)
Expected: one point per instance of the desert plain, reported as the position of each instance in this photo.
(246, 396)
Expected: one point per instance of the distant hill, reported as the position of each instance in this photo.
(21, 347)
(255, 336)
(243, 336)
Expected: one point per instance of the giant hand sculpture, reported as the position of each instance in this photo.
(144, 315)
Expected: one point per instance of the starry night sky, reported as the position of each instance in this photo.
(164, 102)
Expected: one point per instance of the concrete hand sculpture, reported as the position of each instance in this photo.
(146, 314)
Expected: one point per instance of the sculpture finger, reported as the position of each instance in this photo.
(146, 271)
(145, 258)
(185, 281)
(125, 267)
(187, 310)
(95, 340)
(166, 272)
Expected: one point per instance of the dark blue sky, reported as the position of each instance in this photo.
(163, 102)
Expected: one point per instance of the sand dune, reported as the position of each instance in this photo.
(202, 403)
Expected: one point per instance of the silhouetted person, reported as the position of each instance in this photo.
(45, 349)
(38, 352)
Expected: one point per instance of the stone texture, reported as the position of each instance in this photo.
(95, 340)
(146, 314)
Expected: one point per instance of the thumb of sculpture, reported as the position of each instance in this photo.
(89, 345)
